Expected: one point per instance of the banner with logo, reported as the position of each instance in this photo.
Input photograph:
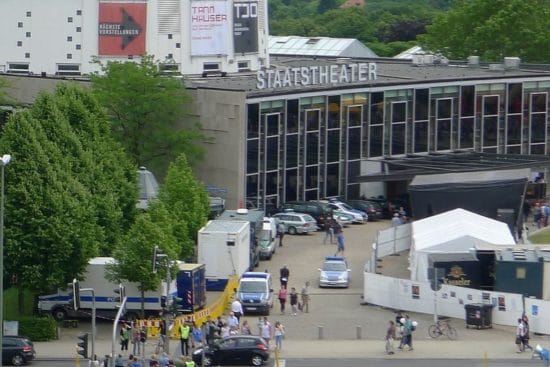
(209, 28)
(121, 29)
(245, 26)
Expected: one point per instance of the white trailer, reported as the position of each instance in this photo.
(224, 248)
(60, 304)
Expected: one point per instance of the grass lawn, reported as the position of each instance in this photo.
(541, 237)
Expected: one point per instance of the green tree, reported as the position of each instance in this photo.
(492, 29)
(4, 98)
(187, 202)
(145, 109)
(326, 5)
(133, 255)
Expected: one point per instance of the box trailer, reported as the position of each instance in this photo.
(224, 249)
(191, 284)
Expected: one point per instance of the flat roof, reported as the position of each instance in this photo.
(390, 72)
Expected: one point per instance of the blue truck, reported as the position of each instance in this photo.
(191, 287)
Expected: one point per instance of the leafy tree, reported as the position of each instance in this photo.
(145, 108)
(326, 5)
(492, 29)
(186, 201)
(4, 98)
(133, 255)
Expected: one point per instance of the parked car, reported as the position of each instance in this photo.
(372, 208)
(342, 218)
(234, 351)
(17, 350)
(266, 242)
(359, 216)
(319, 211)
(334, 272)
(297, 222)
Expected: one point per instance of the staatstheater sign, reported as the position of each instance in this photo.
(316, 75)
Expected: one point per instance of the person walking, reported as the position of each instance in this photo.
(124, 337)
(294, 301)
(136, 345)
(185, 331)
(245, 328)
(407, 333)
(339, 233)
(211, 330)
(329, 231)
(520, 334)
(237, 309)
(232, 321)
(281, 233)
(390, 337)
(197, 335)
(266, 331)
(305, 297)
(284, 273)
(526, 337)
(282, 299)
(279, 334)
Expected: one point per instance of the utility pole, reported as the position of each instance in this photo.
(121, 291)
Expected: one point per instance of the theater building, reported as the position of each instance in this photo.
(284, 128)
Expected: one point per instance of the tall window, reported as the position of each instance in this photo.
(537, 123)
(376, 126)
(466, 126)
(421, 120)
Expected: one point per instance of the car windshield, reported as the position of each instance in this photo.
(332, 266)
(252, 286)
(264, 235)
(308, 218)
(346, 206)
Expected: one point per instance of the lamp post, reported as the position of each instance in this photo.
(3, 162)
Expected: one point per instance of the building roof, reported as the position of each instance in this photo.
(231, 226)
(409, 53)
(318, 46)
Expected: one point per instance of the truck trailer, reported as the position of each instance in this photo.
(59, 305)
(224, 249)
(191, 284)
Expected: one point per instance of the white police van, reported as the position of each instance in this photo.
(255, 292)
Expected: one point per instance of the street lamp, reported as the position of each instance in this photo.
(3, 162)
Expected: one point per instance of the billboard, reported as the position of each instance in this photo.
(209, 28)
(121, 29)
(245, 26)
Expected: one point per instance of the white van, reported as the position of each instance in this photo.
(267, 238)
(255, 292)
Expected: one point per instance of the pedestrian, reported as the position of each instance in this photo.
(305, 297)
(245, 328)
(185, 331)
(526, 336)
(232, 320)
(284, 275)
(279, 334)
(211, 330)
(237, 309)
(135, 362)
(225, 330)
(124, 337)
(219, 324)
(94, 362)
(130, 360)
(407, 339)
(390, 337)
(396, 220)
(282, 299)
(136, 346)
(329, 230)
(520, 334)
(119, 361)
(164, 359)
(189, 362)
(142, 337)
(266, 331)
(281, 233)
(197, 336)
(339, 233)
(260, 323)
(294, 301)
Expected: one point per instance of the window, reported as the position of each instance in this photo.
(69, 19)
(170, 56)
(79, 12)
(27, 55)
(18, 68)
(67, 69)
(169, 68)
(69, 56)
(19, 43)
(178, 45)
(19, 24)
(69, 38)
(28, 14)
(170, 36)
(27, 34)
(79, 29)
(243, 66)
(521, 273)
(78, 47)
(211, 66)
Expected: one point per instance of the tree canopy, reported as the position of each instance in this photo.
(145, 108)
(492, 29)
(62, 195)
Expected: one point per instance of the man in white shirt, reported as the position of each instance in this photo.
(237, 309)
(232, 321)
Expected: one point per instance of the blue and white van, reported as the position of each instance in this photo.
(255, 292)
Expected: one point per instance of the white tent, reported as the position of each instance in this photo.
(451, 236)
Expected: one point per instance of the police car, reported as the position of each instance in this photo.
(334, 272)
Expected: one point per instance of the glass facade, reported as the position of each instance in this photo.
(312, 147)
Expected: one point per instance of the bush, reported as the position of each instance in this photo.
(38, 328)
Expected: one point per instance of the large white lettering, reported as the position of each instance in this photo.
(314, 75)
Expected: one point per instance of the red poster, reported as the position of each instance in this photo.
(122, 29)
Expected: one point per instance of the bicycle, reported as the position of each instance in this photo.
(442, 327)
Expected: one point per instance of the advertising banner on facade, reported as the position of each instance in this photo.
(245, 26)
(209, 28)
(121, 29)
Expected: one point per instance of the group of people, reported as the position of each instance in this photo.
(522, 334)
(137, 335)
(404, 326)
(334, 233)
(284, 295)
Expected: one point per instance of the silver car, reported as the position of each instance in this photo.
(297, 222)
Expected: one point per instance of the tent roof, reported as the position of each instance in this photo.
(458, 230)
(464, 177)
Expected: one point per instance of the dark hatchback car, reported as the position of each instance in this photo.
(372, 208)
(320, 211)
(17, 350)
(233, 351)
